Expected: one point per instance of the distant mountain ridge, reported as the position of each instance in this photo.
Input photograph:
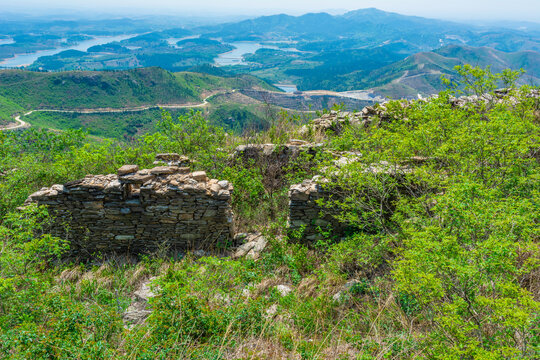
(367, 49)
(371, 27)
(395, 55)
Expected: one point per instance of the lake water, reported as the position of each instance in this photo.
(236, 56)
(172, 41)
(28, 59)
(6, 41)
(287, 88)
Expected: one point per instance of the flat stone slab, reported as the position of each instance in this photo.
(199, 176)
(128, 169)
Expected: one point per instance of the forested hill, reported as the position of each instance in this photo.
(113, 89)
(421, 73)
(393, 75)
(372, 27)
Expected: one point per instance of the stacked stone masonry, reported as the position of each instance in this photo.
(306, 217)
(138, 211)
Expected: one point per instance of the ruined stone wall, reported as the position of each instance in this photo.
(141, 211)
(306, 216)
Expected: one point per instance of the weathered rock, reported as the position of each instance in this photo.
(139, 309)
(168, 157)
(128, 169)
(136, 313)
(271, 311)
(340, 295)
(199, 176)
(172, 159)
(145, 293)
(164, 170)
(253, 245)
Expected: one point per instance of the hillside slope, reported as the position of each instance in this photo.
(7, 109)
(117, 89)
(421, 73)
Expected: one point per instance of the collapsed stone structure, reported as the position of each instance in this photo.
(169, 206)
(141, 210)
(309, 212)
(272, 153)
(306, 215)
(336, 121)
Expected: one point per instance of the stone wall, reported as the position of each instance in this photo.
(138, 211)
(336, 121)
(306, 215)
(275, 154)
(308, 218)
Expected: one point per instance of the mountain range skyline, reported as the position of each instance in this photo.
(459, 10)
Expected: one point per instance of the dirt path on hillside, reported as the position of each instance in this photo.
(20, 124)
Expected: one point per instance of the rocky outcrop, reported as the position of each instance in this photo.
(252, 246)
(137, 211)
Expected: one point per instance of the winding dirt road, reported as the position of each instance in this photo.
(21, 124)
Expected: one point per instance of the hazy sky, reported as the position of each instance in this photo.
(528, 10)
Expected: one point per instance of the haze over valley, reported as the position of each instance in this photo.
(382, 53)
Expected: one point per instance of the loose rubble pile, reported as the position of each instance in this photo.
(167, 207)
